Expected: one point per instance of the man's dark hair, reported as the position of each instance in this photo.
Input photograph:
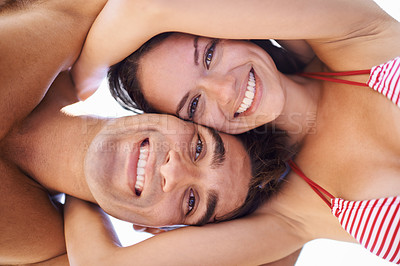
(127, 89)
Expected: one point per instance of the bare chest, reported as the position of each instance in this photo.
(355, 153)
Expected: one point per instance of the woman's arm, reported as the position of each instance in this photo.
(92, 241)
(89, 234)
(124, 25)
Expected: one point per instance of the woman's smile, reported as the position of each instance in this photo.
(248, 96)
(214, 83)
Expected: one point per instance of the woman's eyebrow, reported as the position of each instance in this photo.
(196, 62)
(196, 51)
(181, 104)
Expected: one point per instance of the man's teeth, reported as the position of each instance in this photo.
(249, 95)
(141, 166)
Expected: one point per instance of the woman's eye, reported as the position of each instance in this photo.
(199, 148)
(209, 54)
(191, 201)
(193, 107)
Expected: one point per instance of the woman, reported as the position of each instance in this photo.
(345, 125)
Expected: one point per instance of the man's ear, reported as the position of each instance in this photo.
(150, 230)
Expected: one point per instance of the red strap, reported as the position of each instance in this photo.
(343, 73)
(326, 76)
(318, 189)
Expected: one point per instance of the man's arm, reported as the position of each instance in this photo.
(61, 260)
(37, 41)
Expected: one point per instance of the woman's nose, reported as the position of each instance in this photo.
(173, 172)
(221, 88)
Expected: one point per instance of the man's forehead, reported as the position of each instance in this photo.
(232, 143)
(167, 124)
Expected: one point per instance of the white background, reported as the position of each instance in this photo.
(317, 252)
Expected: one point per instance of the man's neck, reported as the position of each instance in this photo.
(53, 153)
(50, 145)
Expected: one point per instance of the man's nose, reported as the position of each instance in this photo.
(174, 172)
(221, 88)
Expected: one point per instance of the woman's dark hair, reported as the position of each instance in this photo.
(269, 151)
(123, 82)
(127, 90)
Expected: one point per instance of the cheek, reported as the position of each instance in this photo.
(164, 212)
(163, 98)
(245, 124)
(274, 102)
(213, 117)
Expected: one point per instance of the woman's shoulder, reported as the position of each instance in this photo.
(370, 40)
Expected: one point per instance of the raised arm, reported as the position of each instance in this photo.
(38, 39)
(216, 244)
(124, 25)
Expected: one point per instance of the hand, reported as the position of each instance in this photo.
(84, 86)
(150, 230)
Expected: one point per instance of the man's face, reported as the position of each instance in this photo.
(158, 170)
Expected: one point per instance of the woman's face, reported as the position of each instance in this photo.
(232, 86)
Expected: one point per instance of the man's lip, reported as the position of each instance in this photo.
(133, 165)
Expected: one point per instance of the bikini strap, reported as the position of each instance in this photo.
(328, 76)
(317, 188)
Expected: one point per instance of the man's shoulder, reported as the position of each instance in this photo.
(14, 5)
(31, 227)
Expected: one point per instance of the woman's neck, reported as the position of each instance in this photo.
(299, 115)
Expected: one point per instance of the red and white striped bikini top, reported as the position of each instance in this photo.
(373, 223)
(384, 78)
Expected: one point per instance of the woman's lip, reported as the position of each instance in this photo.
(242, 93)
(257, 95)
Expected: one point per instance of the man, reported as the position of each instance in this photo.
(188, 174)
(38, 40)
(151, 170)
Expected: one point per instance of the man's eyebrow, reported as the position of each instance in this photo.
(181, 104)
(219, 149)
(196, 51)
(212, 200)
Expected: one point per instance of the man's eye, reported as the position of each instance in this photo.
(193, 107)
(199, 148)
(191, 201)
(209, 54)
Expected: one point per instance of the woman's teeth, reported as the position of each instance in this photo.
(249, 95)
(141, 166)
